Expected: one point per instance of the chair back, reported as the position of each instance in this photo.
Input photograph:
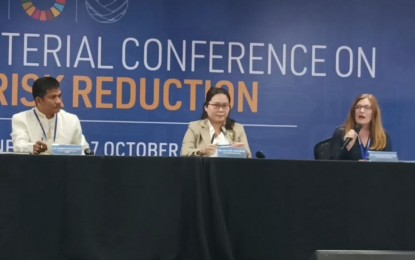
(322, 150)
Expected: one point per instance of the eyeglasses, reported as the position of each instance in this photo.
(365, 107)
(217, 106)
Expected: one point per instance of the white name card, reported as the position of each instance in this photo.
(382, 156)
(231, 152)
(66, 149)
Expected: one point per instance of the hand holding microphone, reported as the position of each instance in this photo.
(351, 135)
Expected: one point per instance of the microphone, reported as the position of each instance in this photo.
(357, 128)
(88, 151)
(260, 155)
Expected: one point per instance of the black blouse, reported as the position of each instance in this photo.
(337, 141)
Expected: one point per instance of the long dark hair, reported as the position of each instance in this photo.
(209, 95)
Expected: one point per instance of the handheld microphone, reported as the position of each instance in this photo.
(260, 155)
(357, 128)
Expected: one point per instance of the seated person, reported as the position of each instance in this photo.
(215, 128)
(34, 130)
(364, 115)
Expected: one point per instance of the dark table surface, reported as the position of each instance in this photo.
(122, 208)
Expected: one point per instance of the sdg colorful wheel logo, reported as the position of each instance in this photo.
(44, 15)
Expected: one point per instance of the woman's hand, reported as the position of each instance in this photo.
(208, 151)
(238, 145)
(351, 135)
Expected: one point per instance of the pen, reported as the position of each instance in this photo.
(213, 138)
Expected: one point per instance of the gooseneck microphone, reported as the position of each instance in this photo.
(357, 128)
(88, 151)
(260, 155)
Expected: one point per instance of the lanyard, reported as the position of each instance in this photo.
(43, 130)
(364, 150)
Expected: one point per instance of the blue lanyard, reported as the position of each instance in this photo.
(364, 150)
(43, 130)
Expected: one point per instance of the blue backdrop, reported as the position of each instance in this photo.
(135, 72)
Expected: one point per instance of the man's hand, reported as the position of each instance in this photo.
(39, 147)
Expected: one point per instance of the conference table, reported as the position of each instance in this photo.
(139, 208)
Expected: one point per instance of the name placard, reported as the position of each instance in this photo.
(66, 149)
(231, 152)
(382, 156)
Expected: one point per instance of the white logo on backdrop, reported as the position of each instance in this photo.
(109, 12)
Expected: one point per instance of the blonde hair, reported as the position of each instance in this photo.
(377, 132)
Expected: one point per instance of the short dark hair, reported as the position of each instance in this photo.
(41, 86)
(209, 95)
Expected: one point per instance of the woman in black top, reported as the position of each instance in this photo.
(362, 131)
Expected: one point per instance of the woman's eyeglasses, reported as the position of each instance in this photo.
(365, 107)
(217, 106)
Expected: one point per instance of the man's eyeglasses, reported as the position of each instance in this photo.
(365, 107)
(217, 106)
